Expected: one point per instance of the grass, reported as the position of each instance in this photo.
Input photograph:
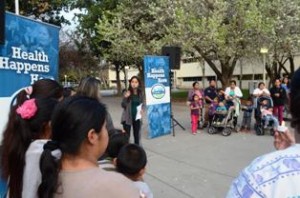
(179, 95)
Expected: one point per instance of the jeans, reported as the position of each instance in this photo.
(136, 125)
(278, 111)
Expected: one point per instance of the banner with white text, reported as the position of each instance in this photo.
(157, 89)
(30, 52)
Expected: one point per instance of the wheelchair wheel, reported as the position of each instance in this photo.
(259, 130)
(226, 131)
(211, 130)
(272, 132)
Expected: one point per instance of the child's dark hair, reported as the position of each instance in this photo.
(219, 89)
(116, 142)
(67, 92)
(194, 95)
(131, 159)
(72, 119)
(18, 135)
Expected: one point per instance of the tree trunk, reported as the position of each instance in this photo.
(227, 67)
(117, 69)
(292, 66)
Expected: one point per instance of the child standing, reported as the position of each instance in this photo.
(131, 162)
(246, 123)
(195, 112)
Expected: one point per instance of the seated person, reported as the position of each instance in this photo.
(267, 114)
(131, 162)
(221, 95)
(212, 109)
(221, 112)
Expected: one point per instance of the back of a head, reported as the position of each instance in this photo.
(67, 92)
(131, 159)
(71, 122)
(89, 87)
(46, 88)
(28, 124)
(116, 142)
(295, 100)
(73, 118)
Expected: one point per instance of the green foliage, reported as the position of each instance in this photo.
(47, 11)
(179, 95)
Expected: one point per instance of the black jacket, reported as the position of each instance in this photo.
(278, 101)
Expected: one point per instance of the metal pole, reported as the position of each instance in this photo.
(17, 7)
(65, 80)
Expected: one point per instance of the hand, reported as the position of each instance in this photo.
(127, 94)
(283, 140)
(277, 94)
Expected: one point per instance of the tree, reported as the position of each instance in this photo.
(220, 31)
(283, 39)
(77, 61)
(132, 33)
(47, 11)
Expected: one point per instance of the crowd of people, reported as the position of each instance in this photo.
(56, 138)
(206, 104)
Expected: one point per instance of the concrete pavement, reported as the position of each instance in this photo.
(188, 166)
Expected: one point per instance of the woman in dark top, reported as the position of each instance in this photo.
(278, 95)
(131, 100)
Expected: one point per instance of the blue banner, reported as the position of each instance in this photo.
(157, 89)
(30, 52)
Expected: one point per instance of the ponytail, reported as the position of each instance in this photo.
(16, 140)
(49, 166)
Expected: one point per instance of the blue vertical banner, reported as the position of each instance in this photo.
(30, 52)
(157, 89)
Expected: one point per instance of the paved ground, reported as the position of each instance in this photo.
(187, 166)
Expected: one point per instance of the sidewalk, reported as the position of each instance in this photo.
(188, 166)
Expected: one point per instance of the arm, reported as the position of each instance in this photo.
(256, 92)
(190, 95)
(266, 92)
(283, 94)
(227, 90)
(238, 92)
(206, 96)
(272, 91)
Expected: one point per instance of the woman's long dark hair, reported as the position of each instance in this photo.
(18, 135)
(71, 121)
(139, 89)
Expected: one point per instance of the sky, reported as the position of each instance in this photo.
(70, 16)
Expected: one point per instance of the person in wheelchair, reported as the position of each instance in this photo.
(221, 113)
(267, 115)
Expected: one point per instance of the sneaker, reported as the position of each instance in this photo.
(265, 127)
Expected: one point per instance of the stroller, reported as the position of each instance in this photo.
(260, 121)
(222, 122)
